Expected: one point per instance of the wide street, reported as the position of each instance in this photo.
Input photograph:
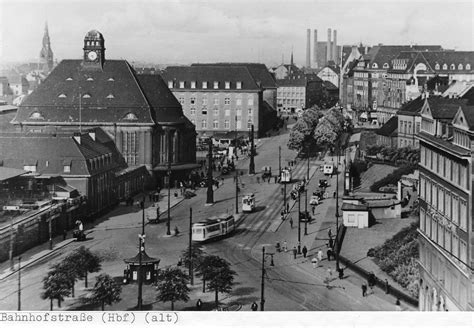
(291, 284)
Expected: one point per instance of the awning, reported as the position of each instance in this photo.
(145, 259)
(179, 167)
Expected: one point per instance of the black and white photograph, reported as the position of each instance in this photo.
(164, 160)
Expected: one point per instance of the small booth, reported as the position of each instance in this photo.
(355, 215)
(149, 268)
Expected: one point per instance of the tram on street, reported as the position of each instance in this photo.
(248, 203)
(213, 228)
(285, 175)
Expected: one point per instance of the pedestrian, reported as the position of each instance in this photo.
(334, 195)
(199, 304)
(180, 261)
(371, 281)
(275, 179)
(291, 223)
(329, 253)
(341, 273)
(364, 289)
(313, 208)
(258, 180)
(285, 246)
(398, 305)
(330, 233)
(64, 234)
(305, 251)
(315, 262)
(254, 306)
(331, 243)
(387, 287)
(287, 208)
(320, 255)
(269, 178)
(294, 252)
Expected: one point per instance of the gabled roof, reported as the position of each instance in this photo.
(444, 108)
(389, 129)
(383, 54)
(8, 173)
(451, 57)
(258, 71)
(413, 107)
(329, 86)
(458, 89)
(468, 112)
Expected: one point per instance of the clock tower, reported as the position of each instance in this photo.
(94, 50)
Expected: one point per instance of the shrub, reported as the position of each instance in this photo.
(393, 177)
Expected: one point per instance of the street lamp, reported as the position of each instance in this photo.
(236, 173)
(251, 163)
(19, 283)
(262, 296)
(141, 248)
(336, 244)
(299, 222)
(168, 223)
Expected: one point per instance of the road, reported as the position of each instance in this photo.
(289, 285)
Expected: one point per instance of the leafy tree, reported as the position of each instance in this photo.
(311, 117)
(326, 132)
(298, 134)
(172, 286)
(86, 262)
(56, 285)
(221, 278)
(197, 255)
(106, 290)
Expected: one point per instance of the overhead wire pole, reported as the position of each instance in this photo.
(168, 223)
(210, 191)
(19, 283)
(336, 242)
(252, 161)
(236, 173)
(141, 248)
(279, 161)
(299, 223)
(306, 195)
(262, 296)
(191, 277)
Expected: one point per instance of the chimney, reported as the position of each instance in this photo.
(77, 137)
(328, 47)
(92, 134)
(334, 47)
(308, 48)
(315, 48)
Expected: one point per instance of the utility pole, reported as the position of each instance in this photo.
(336, 242)
(12, 261)
(262, 296)
(210, 191)
(252, 163)
(191, 277)
(141, 249)
(50, 229)
(168, 223)
(299, 224)
(19, 283)
(306, 215)
(236, 173)
(279, 161)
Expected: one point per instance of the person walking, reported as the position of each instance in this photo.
(364, 289)
(330, 233)
(313, 208)
(329, 253)
(398, 306)
(387, 287)
(341, 273)
(291, 223)
(320, 255)
(294, 252)
(285, 246)
(254, 306)
(371, 281)
(287, 208)
(199, 304)
(314, 261)
(305, 251)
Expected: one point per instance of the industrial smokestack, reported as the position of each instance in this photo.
(315, 48)
(334, 43)
(328, 47)
(308, 48)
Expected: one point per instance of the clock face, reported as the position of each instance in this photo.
(92, 55)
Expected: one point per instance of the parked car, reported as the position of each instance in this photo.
(314, 200)
(323, 183)
(305, 217)
(319, 194)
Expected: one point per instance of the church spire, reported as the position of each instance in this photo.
(291, 62)
(46, 54)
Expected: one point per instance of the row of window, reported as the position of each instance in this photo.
(461, 139)
(238, 101)
(452, 67)
(406, 127)
(291, 94)
(39, 116)
(86, 95)
(215, 124)
(292, 101)
(204, 84)
(447, 203)
(130, 147)
(445, 167)
(204, 111)
(92, 43)
(110, 79)
(443, 235)
(94, 163)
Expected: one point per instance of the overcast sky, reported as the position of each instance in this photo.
(172, 31)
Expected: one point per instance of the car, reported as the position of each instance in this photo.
(314, 200)
(323, 183)
(305, 217)
(203, 183)
(319, 194)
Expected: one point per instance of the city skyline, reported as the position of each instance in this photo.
(183, 32)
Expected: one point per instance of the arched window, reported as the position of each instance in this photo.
(130, 116)
(460, 67)
(385, 65)
(62, 95)
(204, 124)
(86, 95)
(445, 67)
(69, 79)
(90, 79)
(468, 66)
(110, 96)
(374, 65)
(452, 67)
(111, 79)
(36, 116)
(437, 67)
(249, 124)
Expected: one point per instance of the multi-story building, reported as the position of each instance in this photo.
(330, 74)
(387, 134)
(409, 123)
(138, 112)
(446, 206)
(219, 98)
(299, 92)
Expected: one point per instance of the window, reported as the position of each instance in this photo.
(452, 67)
(90, 79)
(250, 100)
(239, 124)
(204, 101)
(437, 67)
(385, 65)
(194, 122)
(460, 67)
(249, 112)
(192, 101)
(445, 67)
(227, 101)
(238, 85)
(249, 124)
(111, 79)
(238, 101)
(238, 112)
(204, 124)
(204, 85)
(216, 111)
(227, 84)
(170, 84)
(36, 116)
(67, 168)
(468, 66)
(181, 84)
(192, 111)
(215, 124)
(193, 84)
(226, 124)
(62, 95)
(216, 85)
(204, 111)
(181, 100)
(374, 65)
(86, 95)
(110, 96)
(463, 215)
(69, 79)
(216, 101)
(130, 116)
(31, 168)
(227, 112)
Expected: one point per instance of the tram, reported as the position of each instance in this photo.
(248, 203)
(213, 228)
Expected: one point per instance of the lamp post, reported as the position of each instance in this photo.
(299, 223)
(19, 283)
(11, 245)
(168, 223)
(210, 191)
(236, 173)
(252, 162)
(141, 248)
(191, 277)
(262, 295)
(279, 161)
(336, 244)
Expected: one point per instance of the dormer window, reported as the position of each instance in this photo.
(452, 67)
(170, 84)
(181, 84)
(90, 79)
(238, 85)
(460, 67)
(468, 66)
(110, 96)
(437, 66)
(36, 116)
(445, 66)
(227, 84)
(67, 168)
(204, 85)
(193, 84)
(216, 85)
(69, 79)
(374, 65)
(30, 167)
(62, 95)
(86, 95)
(131, 117)
(385, 65)
(111, 79)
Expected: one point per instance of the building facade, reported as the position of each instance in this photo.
(409, 123)
(446, 206)
(298, 92)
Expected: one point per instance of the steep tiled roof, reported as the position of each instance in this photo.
(301, 82)
(445, 108)
(383, 54)
(329, 86)
(449, 58)
(412, 107)
(468, 112)
(258, 71)
(209, 74)
(8, 173)
(389, 128)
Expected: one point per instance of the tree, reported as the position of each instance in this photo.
(172, 286)
(56, 285)
(298, 134)
(311, 117)
(221, 277)
(71, 267)
(106, 290)
(86, 262)
(329, 128)
(197, 256)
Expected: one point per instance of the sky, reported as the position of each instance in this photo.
(187, 31)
